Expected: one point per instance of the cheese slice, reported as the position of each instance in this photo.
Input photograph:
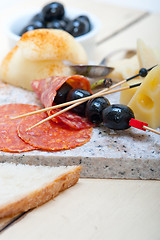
(126, 95)
(147, 56)
(124, 68)
(146, 101)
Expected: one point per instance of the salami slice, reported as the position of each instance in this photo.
(9, 140)
(51, 136)
(46, 90)
(77, 81)
(71, 119)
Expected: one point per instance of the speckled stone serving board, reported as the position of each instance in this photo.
(129, 154)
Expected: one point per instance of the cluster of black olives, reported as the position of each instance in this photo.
(97, 110)
(52, 16)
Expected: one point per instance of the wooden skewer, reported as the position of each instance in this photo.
(68, 103)
(54, 115)
(151, 129)
(72, 102)
(141, 125)
(79, 101)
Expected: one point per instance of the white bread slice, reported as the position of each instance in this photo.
(4, 222)
(23, 187)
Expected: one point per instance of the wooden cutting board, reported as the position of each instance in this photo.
(94, 209)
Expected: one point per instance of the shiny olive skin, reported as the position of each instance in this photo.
(117, 116)
(62, 93)
(38, 24)
(30, 27)
(51, 11)
(77, 93)
(56, 24)
(66, 19)
(53, 16)
(78, 27)
(85, 18)
(37, 17)
(94, 109)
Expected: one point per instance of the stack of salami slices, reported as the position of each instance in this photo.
(65, 131)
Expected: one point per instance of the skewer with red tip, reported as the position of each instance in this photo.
(143, 72)
(132, 122)
(141, 125)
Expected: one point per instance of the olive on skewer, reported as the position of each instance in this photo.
(117, 116)
(78, 94)
(94, 109)
(62, 93)
(97, 110)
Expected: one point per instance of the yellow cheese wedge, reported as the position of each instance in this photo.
(126, 95)
(146, 101)
(147, 56)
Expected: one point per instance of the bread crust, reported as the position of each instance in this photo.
(42, 195)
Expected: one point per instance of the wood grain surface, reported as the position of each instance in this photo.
(97, 208)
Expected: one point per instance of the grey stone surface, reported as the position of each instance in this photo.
(129, 154)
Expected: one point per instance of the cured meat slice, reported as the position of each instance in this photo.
(51, 136)
(71, 119)
(9, 140)
(46, 90)
(78, 81)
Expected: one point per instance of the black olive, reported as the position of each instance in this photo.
(94, 109)
(143, 72)
(85, 18)
(38, 24)
(63, 24)
(56, 24)
(37, 17)
(66, 19)
(78, 94)
(62, 93)
(29, 27)
(51, 11)
(53, 16)
(77, 27)
(117, 116)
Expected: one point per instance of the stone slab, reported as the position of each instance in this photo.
(129, 154)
